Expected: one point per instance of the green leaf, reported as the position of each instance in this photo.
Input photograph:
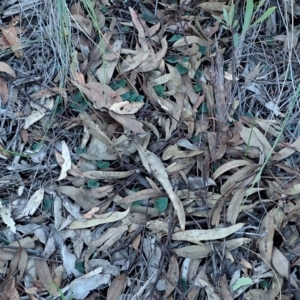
(217, 18)
(203, 108)
(242, 282)
(77, 97)
(36, 146)
(80, 267)
(132, 97)
(137, 203)
(236, 40)
(198, 75)
(235, 23)
(159, 89)
(249, 115)
(184, 285)
(264, 284)
(4, 240)
(248, 16)
(47, 204)
(78, 102)
(231, 15)
(196, 138)
(59, 110)
(103, 9)
(92, 183)
(80, 150)
(181, 69)
(175, 38)
(4, 201)
(225, 15)
(125, 28)
(264, 16)
(161, 204)
(171, 59)
(197, 88)
(116, 84)
(103, 164)
(139, 98)
(260, 4)
(147, 17)
(126, 96)
(236, 117)
(185, 58)
(202, 50)
(270, 42)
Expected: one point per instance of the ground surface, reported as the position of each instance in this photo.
(149, 150)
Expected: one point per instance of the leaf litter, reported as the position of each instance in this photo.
(149, 150)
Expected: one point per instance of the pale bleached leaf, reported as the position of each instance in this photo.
(6, 216)
(4, 67)
(81, 287)
(101, 219)
(155, 167)
(33, 203)
(126, 107)
(198, 235)
(66, 165)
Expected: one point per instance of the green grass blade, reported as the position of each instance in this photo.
(248, 16)
(261, 3)
(265, 15)
(225, 16)
(231, 15)
(217, 18)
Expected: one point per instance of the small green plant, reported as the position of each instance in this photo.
(231, 24)
(92, 184)
(171, 59)
(197, 87)
(161, 203)
(147, 18)
(103, 164)
(137, 203)
(159, 90)
(80, 150)
(181, 69)
(80, 267)
(78, 102)
(117, 84)
(196, 138)
(36, 146)
(175, 38)
(132, 97)
(47, 204)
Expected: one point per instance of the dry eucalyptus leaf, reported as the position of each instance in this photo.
(214, 6)
(107, 175)
(4, 67)
(196, 236)
(33, 203)
(126, 107)
(202, 251)
(172, 276)
(117, 287)
(155, 167)
(66, 165)
(11, 36)
(6, 217)
(32, 118)
(101, 219)
(9, 290)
